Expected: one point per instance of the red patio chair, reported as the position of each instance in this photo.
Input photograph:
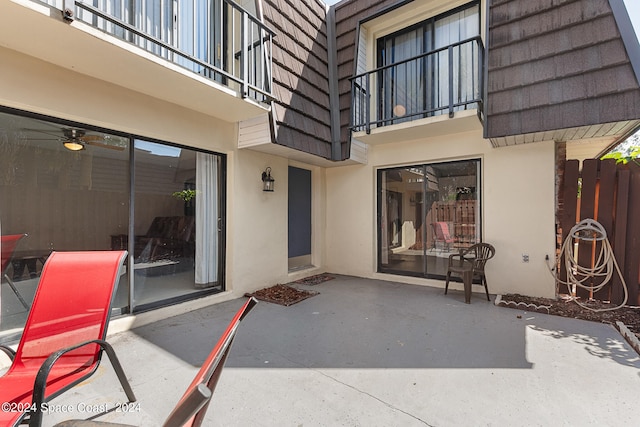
(8, 245)
(441, 231)
(191, 408)
(63, 338)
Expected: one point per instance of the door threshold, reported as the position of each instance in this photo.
(300, 268)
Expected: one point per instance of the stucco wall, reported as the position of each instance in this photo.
(256, 253)
(30, 84)
(257, 248)
(519, 217)
(518, 183)
(259, 245)
(518, 199)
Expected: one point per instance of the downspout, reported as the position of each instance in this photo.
(334, 96)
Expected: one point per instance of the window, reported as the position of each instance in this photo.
(425, 213)
(430, 66)
(162, 203)
(219, 39)
(177, 222)
(153, 17)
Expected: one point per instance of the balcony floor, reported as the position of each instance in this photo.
(463, 121)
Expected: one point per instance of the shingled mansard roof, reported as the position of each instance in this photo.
(561, 65)
(556, 69)
(300, 75)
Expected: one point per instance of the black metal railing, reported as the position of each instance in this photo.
(442, 81)
(217, 39)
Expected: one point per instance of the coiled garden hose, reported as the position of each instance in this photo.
(579, 276)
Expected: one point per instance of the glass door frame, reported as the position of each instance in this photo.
(380, 267)
(222, 226)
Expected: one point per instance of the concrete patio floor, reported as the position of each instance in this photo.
(376, 353)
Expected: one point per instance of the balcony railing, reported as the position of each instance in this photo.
(217, 39)
(438, 82)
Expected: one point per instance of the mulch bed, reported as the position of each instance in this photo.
(282, 294)
(288, 295)
(566, 307)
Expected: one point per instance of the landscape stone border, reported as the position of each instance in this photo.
(629, 336)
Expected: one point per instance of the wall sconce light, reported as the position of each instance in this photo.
(267, 181)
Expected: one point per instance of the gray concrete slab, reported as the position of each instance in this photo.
(376, 353)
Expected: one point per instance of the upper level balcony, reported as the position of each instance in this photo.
(212, 56)
(417, 97)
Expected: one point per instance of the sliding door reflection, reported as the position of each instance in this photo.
(426, 213)
(177, 214)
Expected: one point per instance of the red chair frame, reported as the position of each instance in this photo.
(63, 338)
(209, 373)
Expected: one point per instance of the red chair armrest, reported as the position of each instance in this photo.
(8, 351)
(39, 388)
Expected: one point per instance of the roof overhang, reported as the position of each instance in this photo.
(606, 135)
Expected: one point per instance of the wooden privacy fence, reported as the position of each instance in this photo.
(610, 194)
(460, 215)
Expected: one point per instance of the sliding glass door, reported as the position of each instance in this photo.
(67, 187)
(62, 188)
(425, 213)
(177, 222)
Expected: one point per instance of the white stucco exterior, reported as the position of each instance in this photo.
(517, 183)
(256, 253)
(517, 209)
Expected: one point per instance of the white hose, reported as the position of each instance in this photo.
(590, 230)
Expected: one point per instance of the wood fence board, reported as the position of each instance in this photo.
(632, 261)
(587, 210)
(604, 215)
(610, 194)
(620, 233)
(568, 217)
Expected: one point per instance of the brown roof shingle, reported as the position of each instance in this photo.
(556, 64)
(300, 70)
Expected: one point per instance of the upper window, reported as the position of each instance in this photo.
(430, 67)
(434, 33)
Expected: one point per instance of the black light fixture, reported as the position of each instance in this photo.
(267, 181)
(73, 139)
